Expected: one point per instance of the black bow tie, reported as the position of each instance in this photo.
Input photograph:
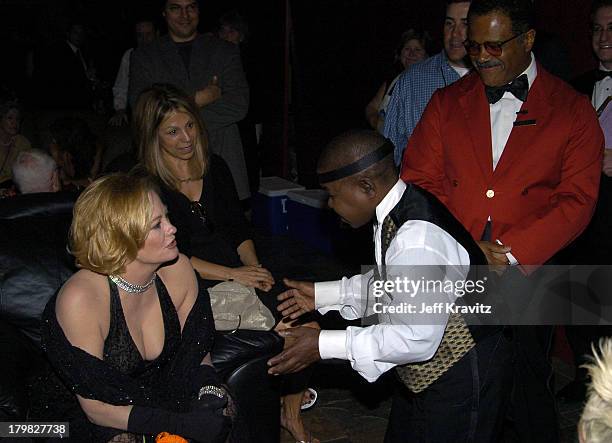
(600, 75)
(519, 88)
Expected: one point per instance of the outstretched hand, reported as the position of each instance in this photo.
(298, 300)
(301, 350)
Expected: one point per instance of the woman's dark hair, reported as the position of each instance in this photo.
(237, 21)
(420, 35)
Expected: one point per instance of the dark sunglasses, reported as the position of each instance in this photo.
(493, 48)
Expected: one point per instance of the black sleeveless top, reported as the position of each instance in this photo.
(121, 352)
(122, 376)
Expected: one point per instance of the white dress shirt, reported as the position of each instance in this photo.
(503, 115)
(375, 349)
(601, 90)
(120, 89)
(461, 71)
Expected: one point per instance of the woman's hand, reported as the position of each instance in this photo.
(255, 276)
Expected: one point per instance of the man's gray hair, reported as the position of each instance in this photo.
(33, 171)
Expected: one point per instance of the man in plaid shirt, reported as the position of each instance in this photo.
(418, 83)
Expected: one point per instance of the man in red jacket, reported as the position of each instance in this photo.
(516, 156)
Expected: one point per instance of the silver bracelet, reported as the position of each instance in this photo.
(211, 390)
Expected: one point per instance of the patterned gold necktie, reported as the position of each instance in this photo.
(388, 231)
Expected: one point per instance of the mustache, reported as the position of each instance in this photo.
(487, 64)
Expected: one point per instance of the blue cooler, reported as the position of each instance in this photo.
(310, 220)
(269, 204)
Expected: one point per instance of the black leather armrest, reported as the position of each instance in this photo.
(19, 357)
(258, 398)
(233, 350)
(241, 359)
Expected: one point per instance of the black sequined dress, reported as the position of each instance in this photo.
(123, 377)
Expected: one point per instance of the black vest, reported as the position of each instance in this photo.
(459, 338)
(418, 204)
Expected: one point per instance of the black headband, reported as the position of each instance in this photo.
(363, 163)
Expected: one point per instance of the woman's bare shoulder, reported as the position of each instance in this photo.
(179, 271)
(82, 301)
(180, 280)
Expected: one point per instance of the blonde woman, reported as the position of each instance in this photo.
(127, 330)
(197, 187)
(203, 204)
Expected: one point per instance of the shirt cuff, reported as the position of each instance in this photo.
(332, 344)
(512, 259)
(327, 293)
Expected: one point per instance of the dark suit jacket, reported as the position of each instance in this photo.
(160, 62)
(594, 246)
(543, 191)
(585, 83)
(62, 79)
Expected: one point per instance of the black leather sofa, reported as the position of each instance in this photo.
(34, 263)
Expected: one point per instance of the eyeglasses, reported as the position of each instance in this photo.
(493, 48)
(597, 30)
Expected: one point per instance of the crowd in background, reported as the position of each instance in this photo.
(72, 125)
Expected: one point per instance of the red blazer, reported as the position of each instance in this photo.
(541, 195)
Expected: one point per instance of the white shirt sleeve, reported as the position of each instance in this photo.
(375, 349)
(120, 89)
(343, 296)
(512, 261)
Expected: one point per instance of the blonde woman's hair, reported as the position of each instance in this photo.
(153, 106)
(595, 425)
(111, 221)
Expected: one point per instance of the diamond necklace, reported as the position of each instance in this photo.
(131, 287)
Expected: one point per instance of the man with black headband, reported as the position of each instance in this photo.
(515, 154)
(458, 392)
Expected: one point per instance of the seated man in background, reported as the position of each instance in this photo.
(35, 171)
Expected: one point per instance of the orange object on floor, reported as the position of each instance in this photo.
(164, 437)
